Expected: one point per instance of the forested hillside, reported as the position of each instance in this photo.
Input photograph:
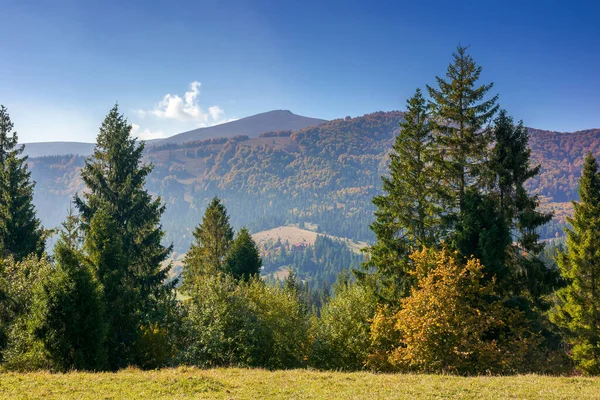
(324, 175)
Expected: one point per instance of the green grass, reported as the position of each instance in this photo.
(235, 383)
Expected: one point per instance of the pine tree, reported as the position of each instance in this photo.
(578, 308)
(407, 213)
(510, 169)
(461, 115)
(121, 222)
(104, 251)
(20, 230)
(213, 238)
(243, 261)
(483, 233)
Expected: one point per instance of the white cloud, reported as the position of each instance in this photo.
(186, 108)
(146, 134)
(216, 112)
(175, 114)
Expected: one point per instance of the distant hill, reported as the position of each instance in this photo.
(43, 149)
(277, 120)
(296, 236)
(253, 126)
(325, 175)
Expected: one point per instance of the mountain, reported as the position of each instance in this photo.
(272, 121)
(43, 149)
(321, 176)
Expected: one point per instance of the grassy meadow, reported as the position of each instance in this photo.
(235, 383)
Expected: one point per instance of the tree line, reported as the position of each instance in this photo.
(455, 281)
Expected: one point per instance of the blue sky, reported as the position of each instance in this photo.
(176, 65)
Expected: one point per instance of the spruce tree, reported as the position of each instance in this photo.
(578, 308)
(243, 261)
(483, 233)
(510, 164)
(121, 222)
(407, 213)
(104, 251)
(81, 303)
(510, 169)
(461, 114)
(208, 253)
(20, 230)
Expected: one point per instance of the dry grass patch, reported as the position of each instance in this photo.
(235, 383)
(296, 236)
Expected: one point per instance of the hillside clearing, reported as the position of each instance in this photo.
(235, 383)
(297, 236)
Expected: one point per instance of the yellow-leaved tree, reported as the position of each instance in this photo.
(451, 322)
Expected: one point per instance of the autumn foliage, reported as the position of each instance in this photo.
(451, 322)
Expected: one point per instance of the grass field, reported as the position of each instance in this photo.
(234, 383)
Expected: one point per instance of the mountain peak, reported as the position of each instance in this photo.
(274, 120)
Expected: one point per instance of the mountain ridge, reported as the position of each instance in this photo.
(325, 175)
(252, 126)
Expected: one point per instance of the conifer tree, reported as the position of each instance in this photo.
(578, 308)
(20, 230)
(510, 165)
(243, 261)
(121, 222)
(407, 213)
(461, 114)
(82, 304)
(208, 253)
(510, 169)
(104, 251)
(483, 233)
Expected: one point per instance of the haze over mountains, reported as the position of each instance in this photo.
(276, 120)
(323, 173)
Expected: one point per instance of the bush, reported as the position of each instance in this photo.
(245, 324)
(59, 323)
(453, 323)
(341, 334)
(24, 350)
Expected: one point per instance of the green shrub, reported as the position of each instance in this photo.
(228, 322)
(59, 321)
(341, 334)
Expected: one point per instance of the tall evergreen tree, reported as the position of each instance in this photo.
(461, 114)
(20, 230)
(510, 169)
(407, 213)
(213, 238)
(104, 251)
(578, 308)
(482, 232)
(243, 260)
(121, 222)
(83, 329)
